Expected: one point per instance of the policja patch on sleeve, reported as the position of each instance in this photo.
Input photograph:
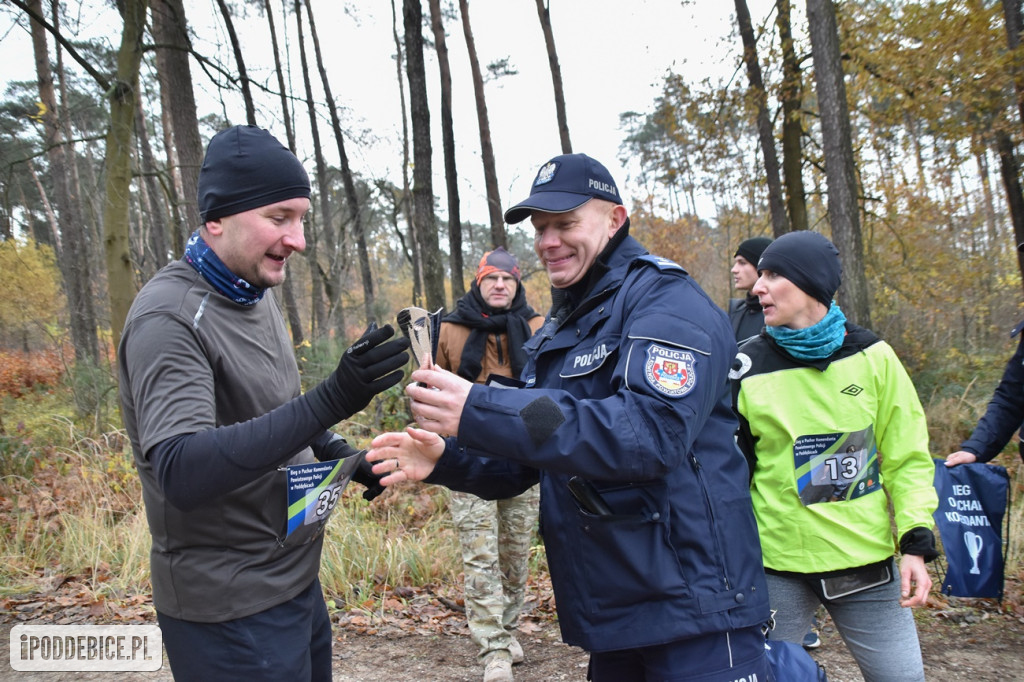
(670, 371)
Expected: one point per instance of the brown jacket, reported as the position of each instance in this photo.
(495, 361)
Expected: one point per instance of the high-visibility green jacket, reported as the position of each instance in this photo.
(826, 440)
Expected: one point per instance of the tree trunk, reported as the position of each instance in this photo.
(279, 72)
(90, 228)
(355, 210)
(498, 236)
(840, 172)
(1014, 25)
(120, 279)
(422, 191)
(72, 251)
(156, 244)
(451, 175)
(179, 223)
(170, 27)
(236, 48)
(1007, 160)
(988, 199)
(53, 235)
(780, 222)
(1010, 171)
(291, 306)
(406, 199)
(792, 128)
(335, 310)
(544, 13)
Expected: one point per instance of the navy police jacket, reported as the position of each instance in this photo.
(630, 393)
(1005, 412)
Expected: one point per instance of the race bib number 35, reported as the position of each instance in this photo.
(313, 491)
(834, 467)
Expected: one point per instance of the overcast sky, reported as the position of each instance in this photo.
(613, 57)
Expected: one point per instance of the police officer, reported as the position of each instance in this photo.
(625, 420)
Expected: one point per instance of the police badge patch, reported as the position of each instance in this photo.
(670, 371)
(546, 174)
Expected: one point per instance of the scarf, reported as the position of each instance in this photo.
(200, 256)
(471, 311)
(816, 342)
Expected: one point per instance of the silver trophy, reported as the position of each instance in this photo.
(974, 544)
(421, 328)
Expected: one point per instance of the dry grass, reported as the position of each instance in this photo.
(80, 514)
(70, 508)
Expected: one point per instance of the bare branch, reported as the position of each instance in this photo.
(97, 76)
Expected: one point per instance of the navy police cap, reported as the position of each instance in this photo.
(565, 183)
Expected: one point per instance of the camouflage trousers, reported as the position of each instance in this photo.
(495, 536)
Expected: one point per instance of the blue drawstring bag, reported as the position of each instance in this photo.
(788, 662)
(972, 504)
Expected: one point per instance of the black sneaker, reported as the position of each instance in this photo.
(811, 640)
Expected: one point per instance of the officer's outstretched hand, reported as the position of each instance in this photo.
(437, 399)
(370, 365)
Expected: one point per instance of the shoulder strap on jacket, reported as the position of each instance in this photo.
(663, 264)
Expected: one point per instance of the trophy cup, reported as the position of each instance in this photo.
(974, 543)
(421, 328)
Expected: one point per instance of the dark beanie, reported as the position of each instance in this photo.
(752, 248)
(808, 260)
(245, 168)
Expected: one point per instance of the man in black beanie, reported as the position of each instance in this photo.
(745, 313)
(221, 435)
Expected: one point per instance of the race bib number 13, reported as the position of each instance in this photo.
(834, 467)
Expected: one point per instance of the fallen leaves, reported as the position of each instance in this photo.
(436, 610)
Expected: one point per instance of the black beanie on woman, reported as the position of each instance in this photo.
(808, 260)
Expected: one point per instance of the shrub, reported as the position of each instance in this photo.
(21, 372)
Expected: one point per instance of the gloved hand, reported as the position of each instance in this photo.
(370, 365)
(364, 475)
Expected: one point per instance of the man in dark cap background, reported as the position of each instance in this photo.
(484, 337)
(624, 418)
(210, 398)
(745, 313)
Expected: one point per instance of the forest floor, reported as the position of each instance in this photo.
(421, 635)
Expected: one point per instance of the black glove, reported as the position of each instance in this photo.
(330, 446)
(364, 475)
(367, 368)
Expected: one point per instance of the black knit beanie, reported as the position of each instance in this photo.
(808, 260)
(751, 249)
(245, 168)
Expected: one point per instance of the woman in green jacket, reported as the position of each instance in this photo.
(830, 422)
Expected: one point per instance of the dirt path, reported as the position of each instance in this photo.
(958, 646)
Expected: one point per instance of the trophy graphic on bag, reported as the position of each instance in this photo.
(974, 544)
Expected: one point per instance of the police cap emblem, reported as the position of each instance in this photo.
(546, 173)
